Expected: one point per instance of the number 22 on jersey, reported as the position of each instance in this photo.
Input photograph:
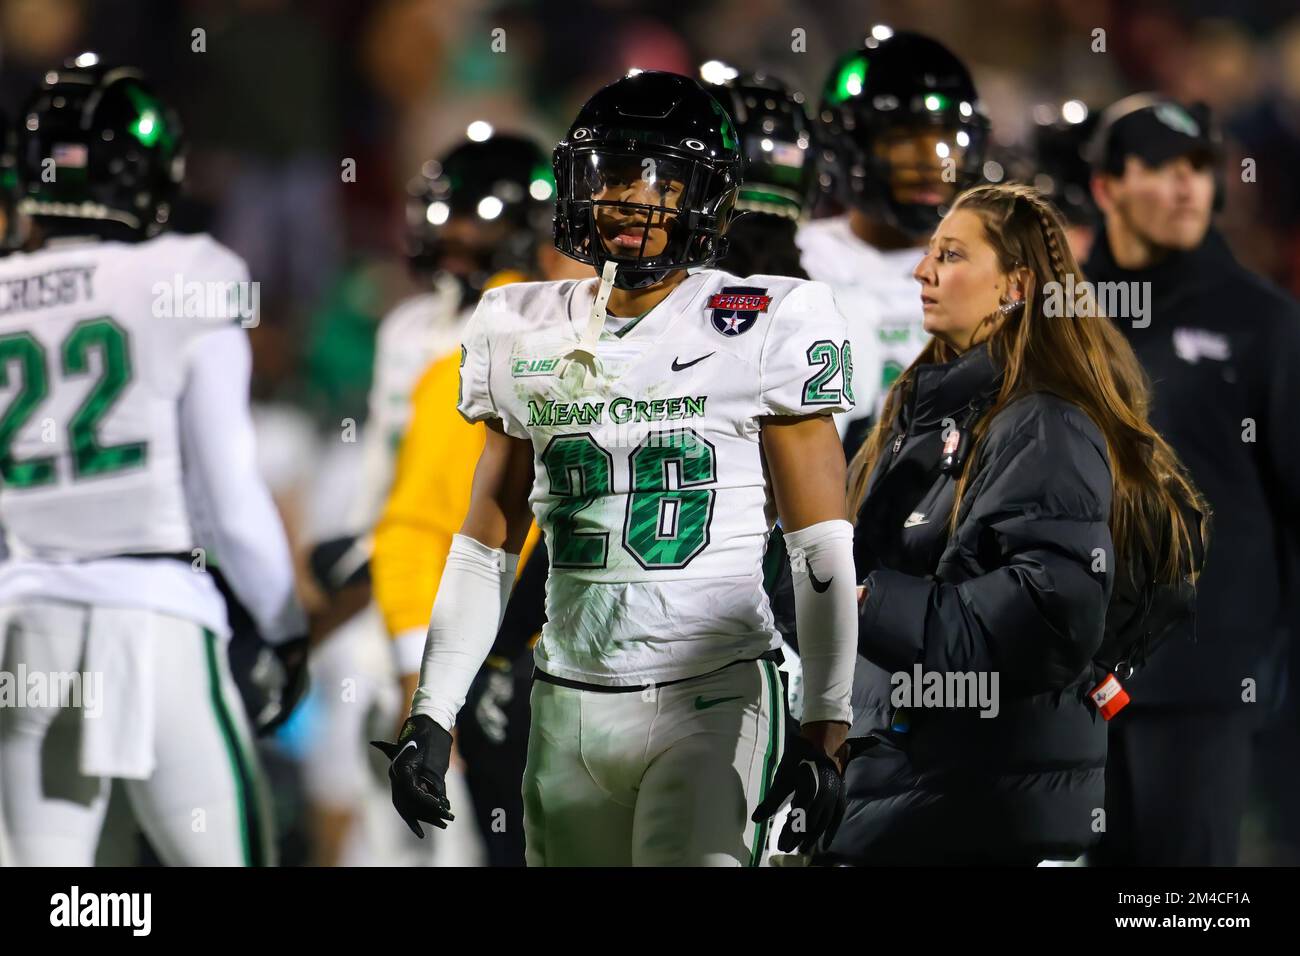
(25, 368)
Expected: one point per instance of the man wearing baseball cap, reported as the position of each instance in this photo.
(1222, 347)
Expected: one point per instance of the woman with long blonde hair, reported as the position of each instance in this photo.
(1012, 491)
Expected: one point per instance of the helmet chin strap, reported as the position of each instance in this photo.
(640, 278)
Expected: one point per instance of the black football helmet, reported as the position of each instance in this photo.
(99, 152)
(906, 85)
(502, 184)
(647, 177)
(1061, 171)
(776, 141)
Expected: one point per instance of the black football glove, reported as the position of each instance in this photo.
(292, 657)
(418, 773)
(340, 562)
(272, 679)
(810, 779)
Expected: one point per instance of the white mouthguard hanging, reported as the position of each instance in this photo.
(585, 351)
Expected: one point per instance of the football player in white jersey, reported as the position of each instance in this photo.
(655, 421)
(127, 464)
(474, 218)
(904, 131)
(777, 143)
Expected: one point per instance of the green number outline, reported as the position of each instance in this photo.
(32, 472)
(561, 517)
(90, 459)
(640, 498)
(827, 354)
(846, 363)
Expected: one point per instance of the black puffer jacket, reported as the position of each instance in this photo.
(1020, 590)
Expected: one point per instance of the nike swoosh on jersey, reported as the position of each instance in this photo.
(677, 367)
(819, 586)
(914, 519)
(702, 704)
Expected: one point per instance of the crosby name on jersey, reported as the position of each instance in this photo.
(650, 484)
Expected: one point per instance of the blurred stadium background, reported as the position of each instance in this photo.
(286, 90)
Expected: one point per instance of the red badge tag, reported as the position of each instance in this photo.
(1109, 696)
(739, 301)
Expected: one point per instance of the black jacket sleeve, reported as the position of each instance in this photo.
(1037, 519)
(1276, 432)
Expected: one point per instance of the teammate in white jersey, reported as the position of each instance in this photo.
(475, 218)
(656, 422)
(906, 133)
(127, 464)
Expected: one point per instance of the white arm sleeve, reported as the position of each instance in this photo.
(825, 607)
(409, 645)
(467, 614)
(229, 504)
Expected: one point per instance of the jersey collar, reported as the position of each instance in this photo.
(653, 325)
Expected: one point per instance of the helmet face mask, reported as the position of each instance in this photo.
(651, 213)
(904, 131)
(647, 178)
(913, 173)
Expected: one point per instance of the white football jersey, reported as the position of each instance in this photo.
(877, 294)
(90, 462)
(650, 483)
(100, 343)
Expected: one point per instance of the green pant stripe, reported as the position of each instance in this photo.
(250, 829)
(776, 719)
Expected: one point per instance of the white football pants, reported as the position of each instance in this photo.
(668, 776)
(203, 804)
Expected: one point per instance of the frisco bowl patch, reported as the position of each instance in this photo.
(734, 309)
